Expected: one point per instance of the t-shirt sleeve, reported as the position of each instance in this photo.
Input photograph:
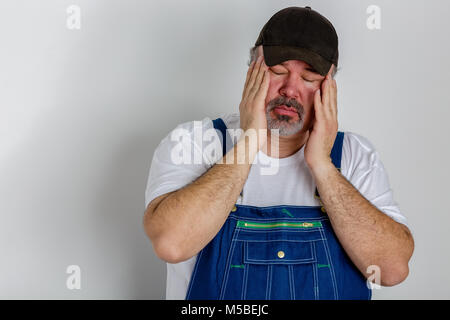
(362, 167)
(178, 159)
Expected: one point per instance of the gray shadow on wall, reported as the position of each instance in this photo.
(121, 208)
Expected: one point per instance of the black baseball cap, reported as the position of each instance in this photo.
(297, 33)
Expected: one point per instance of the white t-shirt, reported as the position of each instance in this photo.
(293, 183)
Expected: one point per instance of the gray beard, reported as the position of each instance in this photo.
(285, 124)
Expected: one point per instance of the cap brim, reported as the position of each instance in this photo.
(277, 54)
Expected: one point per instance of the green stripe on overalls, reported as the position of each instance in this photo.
(265, 225)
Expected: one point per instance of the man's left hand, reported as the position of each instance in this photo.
(325, 126)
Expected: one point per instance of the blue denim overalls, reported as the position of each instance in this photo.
(276, 252)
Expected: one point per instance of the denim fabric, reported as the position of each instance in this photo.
(277, 252)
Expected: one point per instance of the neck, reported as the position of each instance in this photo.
(287, 145)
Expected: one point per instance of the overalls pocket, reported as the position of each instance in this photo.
(280, 269)
(273, 260)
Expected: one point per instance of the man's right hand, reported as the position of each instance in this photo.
(184, 221)
(252, 108)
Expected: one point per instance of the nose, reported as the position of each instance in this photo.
(291, 88)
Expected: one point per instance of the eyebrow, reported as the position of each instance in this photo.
(310, 69)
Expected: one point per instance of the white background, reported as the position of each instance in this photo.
(81, 112)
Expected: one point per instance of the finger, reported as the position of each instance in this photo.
(247, 80)
(249, 72)
(262, 92)
(326, 96)
(329, 105)
(250, 77)
(258, 80)
(254, 74)
(333, 98)
(331, 93)
(318, 104)
(330, 72)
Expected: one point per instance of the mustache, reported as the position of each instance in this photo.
(287, 102)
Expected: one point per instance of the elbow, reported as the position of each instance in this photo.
(167, 251)
(398, 270)
(164, 246)
(395, 275)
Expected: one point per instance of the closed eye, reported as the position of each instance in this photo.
(310, 80)
(312, 76)
(277, 72)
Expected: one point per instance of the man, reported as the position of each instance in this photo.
(318, 227)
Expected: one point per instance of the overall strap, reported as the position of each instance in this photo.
(226, 143)
(225, 139)
(336, 152)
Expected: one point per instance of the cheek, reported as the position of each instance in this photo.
(272, 91)
(308, 104)
(309, 96)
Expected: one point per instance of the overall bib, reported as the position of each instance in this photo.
(276, 252)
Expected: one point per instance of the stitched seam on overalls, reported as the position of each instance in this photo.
(229, 258)
(274, 219)
(315, 275)
(197, 263)
(244, 284)
(320, 239)
(281, 262)
(278, 230)
(288, 223)
(269, 282)
(291, 282)
(330, 262)
(277, 261)
(230, 255)
(275, 206)
(300, 231)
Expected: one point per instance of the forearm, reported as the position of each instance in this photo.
(368, 236)
(185, 221)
